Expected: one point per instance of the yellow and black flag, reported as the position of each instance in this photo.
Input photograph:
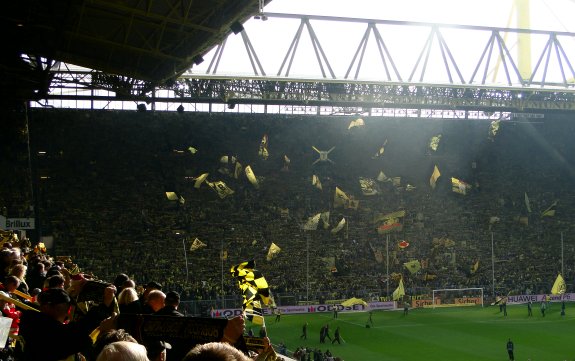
(369, 186)
(399, 291)
(475, 267)
(263, 151)
(559, 287)
(493, 129)
(434, 142)
(381, 150)
(221, 189)
(254, 287)
(273, 251)
(434, 177)
(339, 226)
(356, 123)
(413, 266)
(251, 176)
(312, 222)
(172, 196)
(197, 244)
(316, 182)
(550, 211)
(459, 186)
(200, 179)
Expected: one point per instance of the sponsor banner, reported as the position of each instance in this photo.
(518, 299)
(424, 302)
(17, 223)
(286, 310)
(468, 300)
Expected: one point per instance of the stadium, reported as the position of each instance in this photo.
(422, 220)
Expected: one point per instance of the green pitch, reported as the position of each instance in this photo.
(445, 334)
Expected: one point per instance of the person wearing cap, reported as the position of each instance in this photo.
(48, 338)
(171, 304)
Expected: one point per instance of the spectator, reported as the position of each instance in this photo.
(45, 335)
(172, 301)
(123, 351)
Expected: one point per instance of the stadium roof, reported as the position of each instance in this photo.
(152, 40)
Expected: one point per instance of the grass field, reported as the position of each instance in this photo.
(445, 334)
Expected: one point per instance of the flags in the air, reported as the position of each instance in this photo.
(251, 176)
(550, 211)
(399, 291)
(273, 251)
(255, 289)
(527, 204)
(369, 186)
(197, 244)
(339, 226)
(459, 186)
(356, 123)
(263, 151)
(316, 182)
(434, 142)
(172, 196)
(475, 267)
(221, 189)
(493, 129)
(434, 176)
(413, 266)
(312, 222)
(200, 179)
(559, 287)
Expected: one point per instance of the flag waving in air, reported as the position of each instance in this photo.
(399, 291)
(559, 286)
(255, 290)
(274, 249)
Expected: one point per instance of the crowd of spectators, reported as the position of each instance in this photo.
(101, 179)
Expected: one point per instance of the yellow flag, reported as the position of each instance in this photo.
(413, 266)
(228, 159)
(527, 203)
(368, 186)
(221, 188)
(316, 182)
(459, 186)
(493, 129)
(199, 180)
(356, 123)
(312, 222)
(434, 142)
(549, 212)
(399, 291)
(263, 151)
(339, 226)
(340, 199)
(434, 176)
(475, 267)
(197, 244)
(172, 196)
(237, 170)
(274, 249)
(325, 219)
(192, 150)
(224, 255)
(384, 217)
(251, 176)
(353, 301)
(559, 286)
(381, 150)
(382, 177)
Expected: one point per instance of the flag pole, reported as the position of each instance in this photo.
(186, 259)
(222, 265)
(307, 269)
(563, 274)
(387, 261)
(492, 267)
